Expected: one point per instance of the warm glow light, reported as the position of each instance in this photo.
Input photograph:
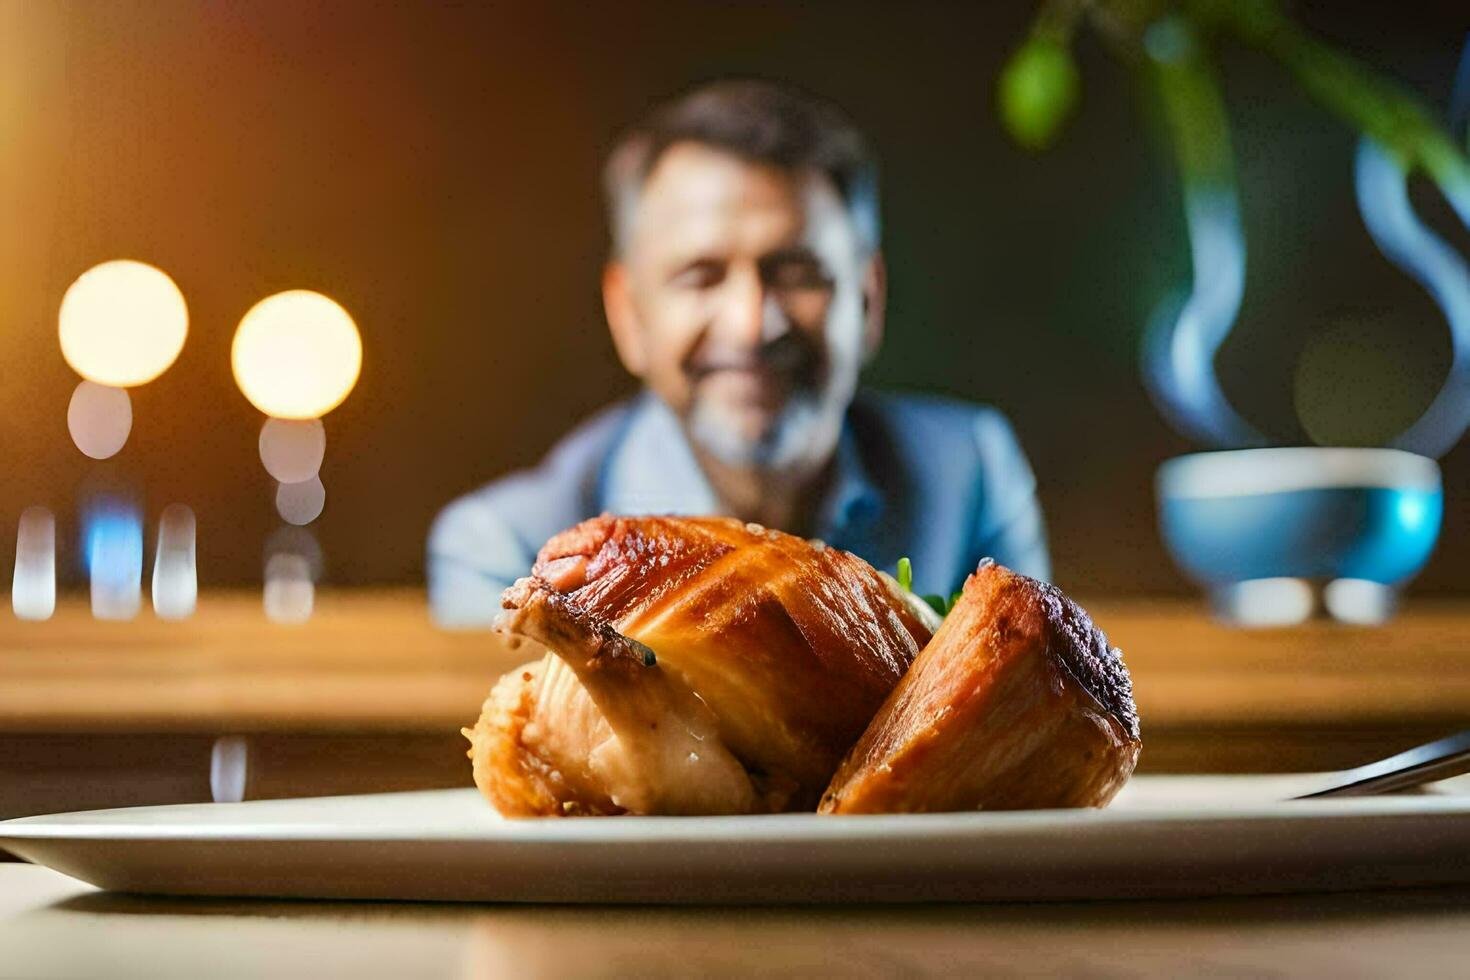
(296, 355)
(301, 503)
(122, 323)
(99, 419)
(292, 450)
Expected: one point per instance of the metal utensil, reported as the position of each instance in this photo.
(1423, 764)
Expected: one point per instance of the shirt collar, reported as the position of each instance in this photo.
(853, 500)
(652, 470)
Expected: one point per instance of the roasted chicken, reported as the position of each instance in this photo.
(1018, 702)
(693, 665)
(705, 666)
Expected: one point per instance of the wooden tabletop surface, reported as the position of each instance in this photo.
(52, 926)
(371, 660)
(370, 664)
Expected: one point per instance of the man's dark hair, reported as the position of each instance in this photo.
(757, 121)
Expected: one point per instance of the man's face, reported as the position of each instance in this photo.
(745, 299)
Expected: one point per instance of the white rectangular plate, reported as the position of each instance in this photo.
(1164, 836)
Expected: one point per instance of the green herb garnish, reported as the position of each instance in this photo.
(938, 603)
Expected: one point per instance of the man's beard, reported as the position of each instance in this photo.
(786, 441)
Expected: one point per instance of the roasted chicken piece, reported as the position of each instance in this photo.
(1018, 702)
(692, 665)
(701, 665)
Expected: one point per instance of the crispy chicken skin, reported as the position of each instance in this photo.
(693, 665)
(1018, 702)
(704, 666)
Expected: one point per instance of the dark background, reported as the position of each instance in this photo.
(434, 168)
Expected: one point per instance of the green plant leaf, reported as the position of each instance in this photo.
(1038, 91)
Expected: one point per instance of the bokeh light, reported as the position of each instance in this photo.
(289, 593)
(122, 323)
(292, 449)
(175, 576)
(33, 589)
(296, 355)
(229, 766)
(301, 503)
(99, 419)
(289, 540)
(112, 543)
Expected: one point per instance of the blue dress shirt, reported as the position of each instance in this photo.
(941, 481)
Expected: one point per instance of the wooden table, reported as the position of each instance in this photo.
(370, 696)
(53, 926)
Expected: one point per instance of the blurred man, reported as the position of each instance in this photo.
(746, 291)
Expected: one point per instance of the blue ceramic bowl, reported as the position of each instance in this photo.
(1305, 513)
